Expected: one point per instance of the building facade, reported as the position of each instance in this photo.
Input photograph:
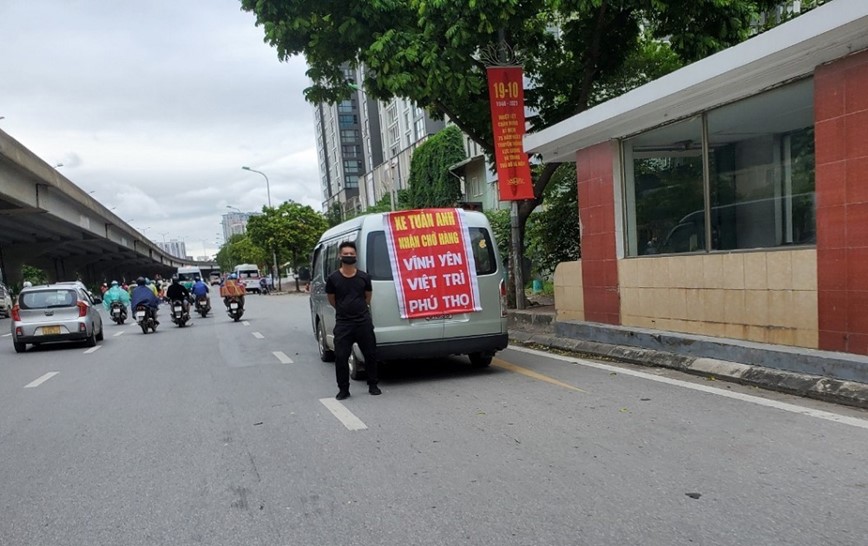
(174, 247)
(235, 223)
(730, 198)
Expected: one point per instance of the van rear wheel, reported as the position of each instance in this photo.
(325, 354)
(480, 360)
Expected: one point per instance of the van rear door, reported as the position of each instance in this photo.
(389, 325)
(489, 320)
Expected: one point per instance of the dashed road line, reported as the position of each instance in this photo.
(245, 323)
(93, 349)
(257, 335)
(41, 380)
(6, 335)
(345, 416)
(784, 406)
(281, 356)
(120, 333)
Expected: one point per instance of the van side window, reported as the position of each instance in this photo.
(316, 261)
(377, 259)
(483, 251)
(331, 259)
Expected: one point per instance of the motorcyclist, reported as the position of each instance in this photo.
(230, 288)
(178, 292)
(151, 286)
(113, 294)
(263, 285)
(143, 295)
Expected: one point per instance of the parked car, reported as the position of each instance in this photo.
(5, 301)
(55, 312)
(97, 298)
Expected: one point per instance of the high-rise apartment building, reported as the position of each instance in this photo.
(235, 223)
(364, 146)
(174, 247)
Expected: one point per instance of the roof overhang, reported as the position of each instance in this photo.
(460, 167)
(786, 52)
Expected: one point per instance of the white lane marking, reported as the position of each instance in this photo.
(281, 356)
(93, 349)
(344, 415)
(793, 408)
(120, 333)
(245, 323)
(257, 335)
(6, 335)
(41, 380)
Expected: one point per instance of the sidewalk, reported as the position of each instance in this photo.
(834, 377)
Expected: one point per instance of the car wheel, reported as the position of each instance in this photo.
(91, 341)
(480, 360)
(100, 336)
(325, 354)
(357, 373)
(19, 346)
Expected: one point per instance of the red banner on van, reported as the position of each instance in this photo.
(506, 97)
(432, 262)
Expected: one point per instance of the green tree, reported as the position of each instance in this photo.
(553, 233)
(334, 215)
(431, 182)
(291, 230)
(239, 249)
(435, 53)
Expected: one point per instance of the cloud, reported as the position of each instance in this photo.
(155, 106)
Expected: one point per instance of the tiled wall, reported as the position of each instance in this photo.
(569, 291)
(595, 172)
(841, 122)
(758, 296)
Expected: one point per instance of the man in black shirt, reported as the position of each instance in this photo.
(349, 291)
(178, 292)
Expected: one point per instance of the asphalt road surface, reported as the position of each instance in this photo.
(228, 433)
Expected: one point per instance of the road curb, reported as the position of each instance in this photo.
(839, 391)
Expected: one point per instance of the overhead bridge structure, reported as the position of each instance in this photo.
(48, 222)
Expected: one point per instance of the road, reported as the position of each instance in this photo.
(228, 433)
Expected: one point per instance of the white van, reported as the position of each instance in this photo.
(248, 274)
(478, 334)
(187, 275)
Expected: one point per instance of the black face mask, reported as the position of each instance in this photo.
(349, 260)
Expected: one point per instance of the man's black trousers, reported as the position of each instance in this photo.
(347, 333)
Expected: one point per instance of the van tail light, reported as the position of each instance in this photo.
(82, 309)
(16, 313)
(503, 299)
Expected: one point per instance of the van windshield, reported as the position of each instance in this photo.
(248, 274)
(380, 269)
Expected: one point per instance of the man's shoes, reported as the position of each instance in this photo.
(343, 395)
(374, 390)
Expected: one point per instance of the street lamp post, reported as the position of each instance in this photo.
(273, 251)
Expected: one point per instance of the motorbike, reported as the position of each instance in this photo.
(118, 312)
(146, 318)
(234, 308)
(203, 305)
(180, 316)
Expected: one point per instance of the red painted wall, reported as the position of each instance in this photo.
(841, 118)
(597, 214)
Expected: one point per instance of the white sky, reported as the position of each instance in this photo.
(155, 105)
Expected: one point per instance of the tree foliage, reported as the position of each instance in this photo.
(553, 233)
(431, 182)
(239, 249)
(291, 230)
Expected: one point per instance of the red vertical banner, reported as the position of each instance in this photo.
(432, 262)
(506, 96)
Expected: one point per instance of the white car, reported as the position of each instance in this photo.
(5, 301)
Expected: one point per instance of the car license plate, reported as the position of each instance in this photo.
(233, 306)
(50, 330)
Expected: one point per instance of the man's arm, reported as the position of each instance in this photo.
(368, 294)
(332, 300)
